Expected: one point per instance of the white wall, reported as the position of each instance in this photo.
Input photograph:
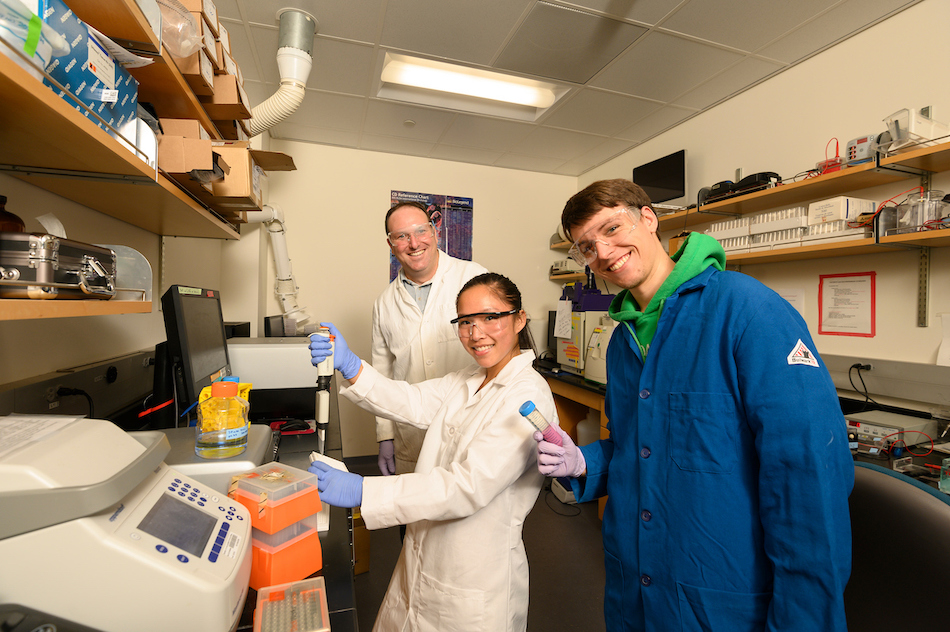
(783, 125)
(335, 204)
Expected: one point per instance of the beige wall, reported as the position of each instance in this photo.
(783, 125)
(335, 204)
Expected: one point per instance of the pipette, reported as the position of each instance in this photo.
(530, 412)
(324, 374)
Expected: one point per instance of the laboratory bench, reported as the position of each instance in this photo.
(337, 544)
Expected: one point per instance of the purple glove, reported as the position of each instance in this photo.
(337, 488)
(557, 461)
(387, 457)
(344, 360)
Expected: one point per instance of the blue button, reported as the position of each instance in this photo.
(229, 517)
(182, 558)
(182, 494)
(220, 508)
(646, 516)
(644, 393)
(201, 504)
(203, 499)
(218, 541)
(171, 488)
(161, 548)
(645, 453)
(240, 517)
(187, 485)
(177, 480)
(212, 557)
(225, 526)
(646, 580)
(216, 548)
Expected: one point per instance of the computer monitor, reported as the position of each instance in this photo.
(197, 349)
(664, 179)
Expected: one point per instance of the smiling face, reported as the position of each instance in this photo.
(634, 261)
(492, 350)
(417, 253)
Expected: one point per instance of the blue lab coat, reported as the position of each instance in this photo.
(727, 469)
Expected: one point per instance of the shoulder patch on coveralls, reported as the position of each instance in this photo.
(801, 355)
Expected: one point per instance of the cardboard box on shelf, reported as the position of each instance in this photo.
(90, 74)
(198, 72)
(207, 9)
(230, 66)
(233, 130)
(241, 188)
(360, 545)
(229, 100)
(183, 158)
(222, 57)
(224, 38)
(187, 128)
(207, 37)
(677, 241)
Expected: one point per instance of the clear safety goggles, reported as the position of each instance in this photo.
(489, 323)
(418, 231)
(620, 224)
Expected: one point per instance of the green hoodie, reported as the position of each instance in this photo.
(698, 252)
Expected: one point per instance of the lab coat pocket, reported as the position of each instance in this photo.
(443, 607)
(702, 432)
(709, 610)
(446, 330)
(614, 609)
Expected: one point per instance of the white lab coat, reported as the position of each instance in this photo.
(463, 563)
(414, 346)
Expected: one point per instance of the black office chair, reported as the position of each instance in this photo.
(900, 576)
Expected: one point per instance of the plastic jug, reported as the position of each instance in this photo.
(222, 423)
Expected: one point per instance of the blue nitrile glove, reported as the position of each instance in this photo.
(387, 457)
(344, 360)
(557, 461)
(336, 487)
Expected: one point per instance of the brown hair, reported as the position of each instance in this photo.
(398, 205)
(505, 289)
(600, 195)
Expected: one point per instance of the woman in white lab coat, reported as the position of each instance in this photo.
(463, 563)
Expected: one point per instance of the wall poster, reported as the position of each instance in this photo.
(847, 304)
(452, 216)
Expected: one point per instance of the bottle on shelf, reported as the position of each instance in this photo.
(9, 223)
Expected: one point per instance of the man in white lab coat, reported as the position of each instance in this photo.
(413, 340)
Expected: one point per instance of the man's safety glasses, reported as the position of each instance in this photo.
(620, 223)
(489, 323)
(419, 231)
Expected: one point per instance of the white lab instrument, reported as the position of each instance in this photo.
(96, 529)
(595, 361)
(324, 374)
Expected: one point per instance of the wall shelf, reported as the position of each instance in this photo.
(24, 309)
(40, 130)
(811, 251)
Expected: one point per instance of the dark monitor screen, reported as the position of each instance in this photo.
(664, 179)
(197, 344)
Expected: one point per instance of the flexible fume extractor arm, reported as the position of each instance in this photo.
(294, 60)
(285, 287)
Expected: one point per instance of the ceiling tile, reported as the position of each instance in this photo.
(528, 163)
(646, 11)
(556, 143)
(598, 112)
(744, 74)
(321, 109)
(484, 133)
(566, 44)
(322, 136)
(465, 154)
(655, 123)
(597, 156)
(837, 24)
(662, 67)
(356, 20)
(743, 24)
(454, 29)
(389, 119)
(405, 146)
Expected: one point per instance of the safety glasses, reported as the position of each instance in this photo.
(489, 323)
(419, 231)
(620, 224)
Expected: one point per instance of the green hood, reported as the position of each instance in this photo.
(698, 252)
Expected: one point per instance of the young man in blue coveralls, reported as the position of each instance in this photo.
(727, 464)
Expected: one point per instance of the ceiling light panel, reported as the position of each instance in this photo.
(566, 44)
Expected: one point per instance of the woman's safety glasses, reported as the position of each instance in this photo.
(620, 223)
(419, 231)
(489, 323)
